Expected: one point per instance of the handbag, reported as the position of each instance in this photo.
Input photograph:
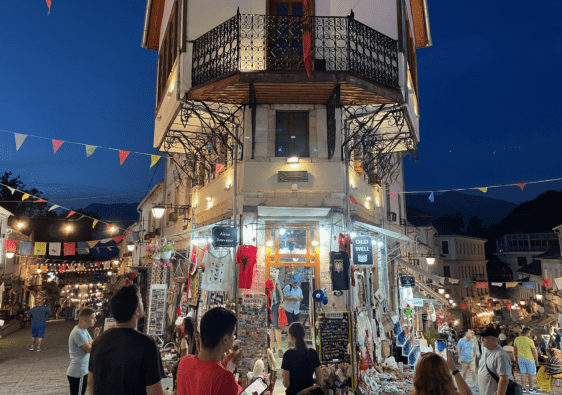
(282, 318)
(512, 387)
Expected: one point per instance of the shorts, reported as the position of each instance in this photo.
(78, 385)
(292, 317)
(275, 315)
(38, 331)
(526, 366)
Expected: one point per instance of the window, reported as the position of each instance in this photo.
(291, 135)
(446, 271)
(445, 247)
(521, 260)
(167, 54)
(415, 262)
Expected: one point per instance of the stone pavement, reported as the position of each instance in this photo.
(31, 372)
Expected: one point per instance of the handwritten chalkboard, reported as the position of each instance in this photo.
(334, 332)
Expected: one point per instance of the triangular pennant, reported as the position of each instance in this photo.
(49, 5)
(218, 168)
(12, 189)
(521, 186)
(108, 225)
(56, 145)
(90, 150)
(431, 197)
(20, 138)
(109, 248)
(93, 243)
(71, 213)
(154, 159)
(118, 238)
(95, 223)
(82, 216)
(54, 206)
(122, 156)
(484, 189)
(392, 195)
(352, 199)
(25, 196)
(39, 201)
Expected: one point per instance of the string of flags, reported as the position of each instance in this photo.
(25, 248)
(26, 196)
(90, 149)
(524, 284)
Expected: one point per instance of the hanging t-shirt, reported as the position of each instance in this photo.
(345, 242)
(194, 255)
(218, 274)
(246, 259)
(339, 269)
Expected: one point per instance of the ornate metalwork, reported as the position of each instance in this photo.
(333, 103)
(208, 134)
(274, 43)
(379, 138)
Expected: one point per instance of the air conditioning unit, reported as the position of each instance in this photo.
(173, 217)
(391, 216)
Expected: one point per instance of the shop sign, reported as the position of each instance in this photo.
(407, 281)
(224, 236)
(362, 250)
(417, 302)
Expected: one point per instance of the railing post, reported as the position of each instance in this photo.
(238, 44)
(348, 63)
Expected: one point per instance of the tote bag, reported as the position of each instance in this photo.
(283, 318)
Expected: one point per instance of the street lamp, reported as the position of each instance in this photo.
(539, 296)
(10, 254)
(130, 247)
(113, 229)
(446, 296)
(430, 259)
(522, 302)
(441, 291)
(158, 211)
(20, 225)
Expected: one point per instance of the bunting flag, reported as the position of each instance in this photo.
(481, 284)
(521, 186)
(20, 138)
(90, 150)
(123, 155)
(10, 245)
(56, 145)
(306, 40)
(12, 189)
(508, 306)
(54, 206)
(431, 197)
(154, 159)
(54, 249)
(95, 223)
(558, 282)
(109, 248)
(465, 283)
(484, 189)
(392, 195)
(40, 248)
(108, 227)
(546, 283)
(218, 168)
(92, 243)
(25, 196)
(62, 268)
(24, 248)
(529, 285)
(44, 268)
(118, 239)
(40, 201)
(83, 248)
(71, 213)
(511, 284)
(352, 199)
(49, 5)
(490, 308)
(69, 248)
(497, 284)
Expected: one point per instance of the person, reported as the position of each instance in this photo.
(299, 363)
(276, 304)
(434, 375)
(494, 361)
(204, 374)
(558, 339)
(527, 358)
(38, 316)
(123, 360)
(467, 354)
(477, 349)
(79, 348)
(292, 295)
(503, 339)
(191, 341)
(57, 309)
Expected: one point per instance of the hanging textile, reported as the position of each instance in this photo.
(218, 274)
(246, 259)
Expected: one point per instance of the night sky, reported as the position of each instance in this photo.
(489, 92)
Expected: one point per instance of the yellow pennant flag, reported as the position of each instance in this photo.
(484, 190)
(511, 284)
(25, 196)
(154, 159)
(93, 243)
(94, 224)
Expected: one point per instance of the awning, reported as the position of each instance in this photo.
(383, 231)
(431, 292)
(440, 280)
(548, 320)
(269, 211)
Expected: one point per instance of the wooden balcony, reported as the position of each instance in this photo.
(267, 51)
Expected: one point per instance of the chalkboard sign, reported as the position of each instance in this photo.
(334, 332)
(407, 281)
(224, 236)
(362, 250)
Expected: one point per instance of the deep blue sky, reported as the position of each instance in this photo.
(491, 83)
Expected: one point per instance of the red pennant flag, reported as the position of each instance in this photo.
(109, 248)
(108, 226)
(122, 156)
(118, 238)
(49, 5)
(546, 283)
(39, 201)
(521, 186)
(10, 245)
(352, 199)
(306, 41)
(71, 213)
(57, 144)
(218, 168)
(481, 285)
(392, 195)
(490, 308)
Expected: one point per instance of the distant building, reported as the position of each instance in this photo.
(518, 250)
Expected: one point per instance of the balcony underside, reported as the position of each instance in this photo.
(294, 88)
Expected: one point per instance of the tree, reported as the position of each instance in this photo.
(13, 203)
(474, 226)
(450, 224)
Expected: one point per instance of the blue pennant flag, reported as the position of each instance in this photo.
(431, 197)
(529, 285)
(465, 283)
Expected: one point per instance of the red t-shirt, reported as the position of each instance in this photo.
(345, 243)
(197, 377)
(246, 259)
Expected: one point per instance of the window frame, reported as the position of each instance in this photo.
(291, 150)
(443, 243)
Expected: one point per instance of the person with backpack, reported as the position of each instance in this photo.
(495, 366)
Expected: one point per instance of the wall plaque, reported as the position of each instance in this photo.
(292, 176)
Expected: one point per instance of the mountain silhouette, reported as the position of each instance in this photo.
(119, 214)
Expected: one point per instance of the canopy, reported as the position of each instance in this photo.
(437, 279)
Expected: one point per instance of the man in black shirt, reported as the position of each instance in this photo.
(124, 361)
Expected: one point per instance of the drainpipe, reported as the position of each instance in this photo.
(347, 188)
(427, 29)
(146, 23)
(178, 56)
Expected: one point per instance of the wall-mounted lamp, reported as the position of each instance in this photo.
(158, 211)
(10, 254)
(20, 225)
(195, 204)
(353, 234)
(522, 302)
(430, 259)
(209, 198)
(315, 243)
(446, 296)
(130, 247)
(441, 291)
(293, 159)
(228, 185)
(539, 296)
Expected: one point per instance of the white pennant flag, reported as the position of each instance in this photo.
(20, 138)
(12, 189)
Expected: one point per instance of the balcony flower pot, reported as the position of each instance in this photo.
(166, 254)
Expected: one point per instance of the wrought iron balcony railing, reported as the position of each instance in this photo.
(275, 43)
